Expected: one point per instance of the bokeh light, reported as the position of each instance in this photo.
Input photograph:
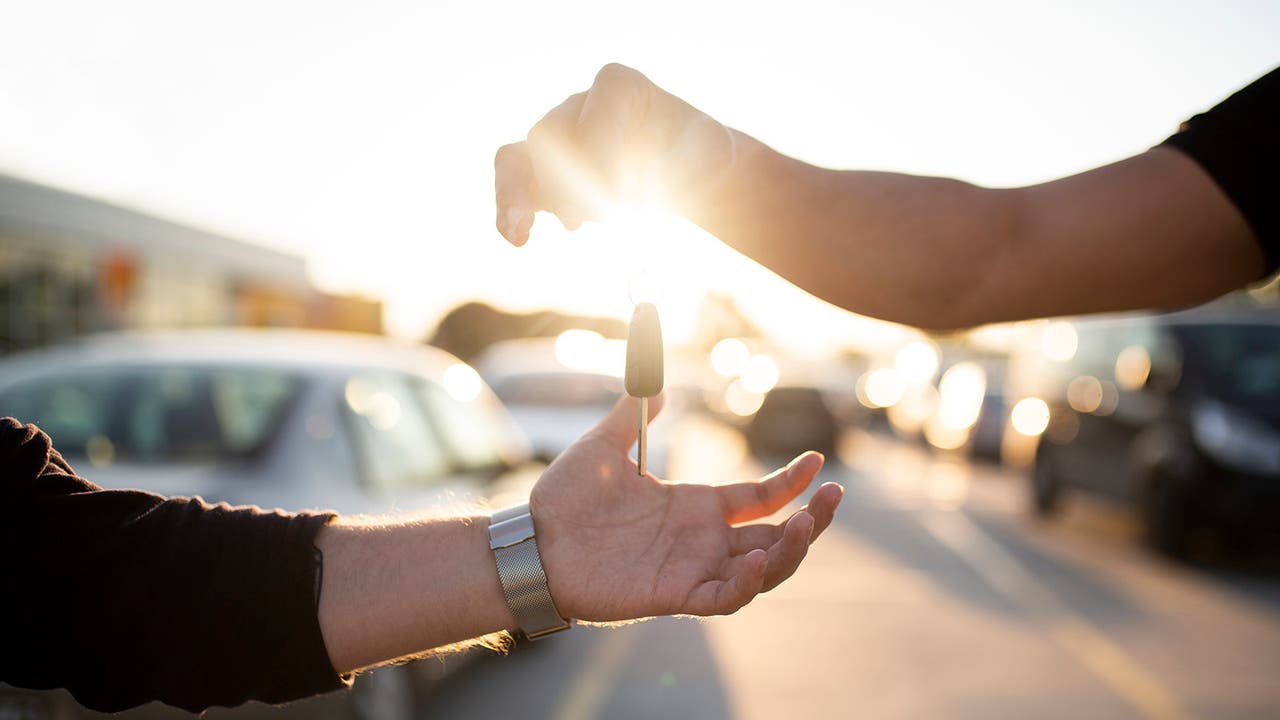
(1084, 394)
(943, 437)
(881, 388)
(742, 401)
(1133, 365)
(917, 361)
(729, 356)
(960, 392)
(580, 349)
(916, 407)
(462, 383)
(1030, 416)
(760, 374)
(1059, 341)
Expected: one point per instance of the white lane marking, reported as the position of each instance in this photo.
(1092, 649)
(590, 688)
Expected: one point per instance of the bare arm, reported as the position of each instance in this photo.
(615, 545)
(394, 589)
(1149, 231)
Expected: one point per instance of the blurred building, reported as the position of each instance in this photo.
(70, 264)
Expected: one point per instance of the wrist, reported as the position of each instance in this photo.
(705, 156)
(513, 538)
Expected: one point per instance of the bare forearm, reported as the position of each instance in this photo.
(1150, 231)
(391, 590)
(900, 247)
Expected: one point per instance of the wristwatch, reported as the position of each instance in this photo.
(524, 582)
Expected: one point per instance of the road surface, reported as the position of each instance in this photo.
(931, 596)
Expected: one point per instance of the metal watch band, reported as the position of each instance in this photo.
(524, 582)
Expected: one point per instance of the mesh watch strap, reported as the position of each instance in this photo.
(524, 582)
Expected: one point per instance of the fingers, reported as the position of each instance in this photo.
(728, 595)
(515, 192)
(786, 554)
(566, 185)
(746, 501)
(787, 543)
(781, 561)
(822, 507)
(621, 427)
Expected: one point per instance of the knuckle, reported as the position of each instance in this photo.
(762, 492)
(538, 133)
(614, 72)
(505, 154)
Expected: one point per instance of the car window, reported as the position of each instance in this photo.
(1096, 351)
(1239, 363)
(155, 414)
(559, 389)
(475, 435)
(396, 445)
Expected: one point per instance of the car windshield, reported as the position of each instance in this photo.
(1239, 363)
(155, 414)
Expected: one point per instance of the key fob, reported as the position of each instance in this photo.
(644, 352)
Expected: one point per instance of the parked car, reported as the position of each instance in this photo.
(792, 419)
(276, 418)
(1177, 416)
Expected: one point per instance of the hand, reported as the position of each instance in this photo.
(625, 140)
(618, 546)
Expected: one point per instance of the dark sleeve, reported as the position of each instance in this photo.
(1238, 144)
(124, 597)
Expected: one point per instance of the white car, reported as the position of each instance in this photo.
(555, 404)
(276, 418)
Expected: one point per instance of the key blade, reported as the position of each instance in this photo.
(644, 375)
(642, 451)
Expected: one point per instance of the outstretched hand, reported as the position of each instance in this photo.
(624, 140)
(618, 546)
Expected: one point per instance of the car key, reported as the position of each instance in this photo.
(644, 368)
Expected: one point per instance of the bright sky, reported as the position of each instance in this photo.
(362, 134)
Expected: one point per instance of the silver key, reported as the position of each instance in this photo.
(644, 368)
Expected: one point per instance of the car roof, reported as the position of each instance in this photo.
(524, 357)
(1198, 316)
(306, 351)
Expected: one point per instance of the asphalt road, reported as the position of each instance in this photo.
(931, 596)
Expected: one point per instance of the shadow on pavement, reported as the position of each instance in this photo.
(663, 668)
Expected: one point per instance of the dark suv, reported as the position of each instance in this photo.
(1176, 415)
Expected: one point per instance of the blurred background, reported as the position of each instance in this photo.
(247, 252)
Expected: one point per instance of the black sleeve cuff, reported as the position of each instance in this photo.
(1238, 145)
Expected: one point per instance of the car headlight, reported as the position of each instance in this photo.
(1235, 439)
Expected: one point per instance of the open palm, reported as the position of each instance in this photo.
(617, 545)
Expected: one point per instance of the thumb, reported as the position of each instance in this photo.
(621, 427)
